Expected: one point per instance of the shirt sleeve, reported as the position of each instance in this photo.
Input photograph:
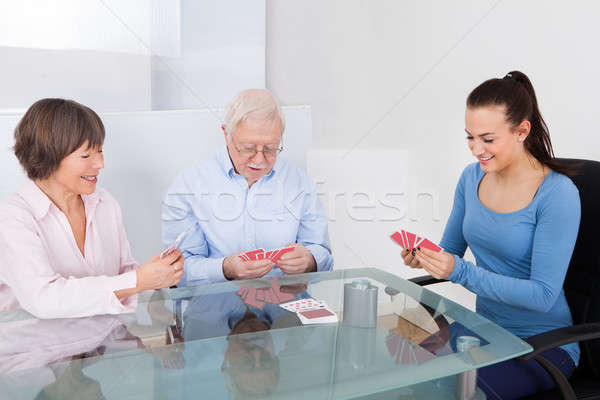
(177, 217)
(453, 240)
(40, 290)
(554, 239)
(313, 231)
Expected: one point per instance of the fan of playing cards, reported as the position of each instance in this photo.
(260, 254)
(410, 241)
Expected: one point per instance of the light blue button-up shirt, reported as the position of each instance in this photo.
(223, 216)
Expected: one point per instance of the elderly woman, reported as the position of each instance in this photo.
(63, 247)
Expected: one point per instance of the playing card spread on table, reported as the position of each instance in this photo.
(408, 240)
(303, 304)
(311, 311)
(318, 313)
(260, 254)
(317, 316)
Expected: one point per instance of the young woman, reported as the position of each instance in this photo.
(519, 214)
(63, 248)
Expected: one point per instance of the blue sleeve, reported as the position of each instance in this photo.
(313, 232)
(554, 239)
(178, 216)
(453, 240)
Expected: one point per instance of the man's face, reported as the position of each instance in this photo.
(250, 135)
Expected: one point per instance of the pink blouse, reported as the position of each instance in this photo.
(43, 271)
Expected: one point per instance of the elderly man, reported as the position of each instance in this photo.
(243, 198)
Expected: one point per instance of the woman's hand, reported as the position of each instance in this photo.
(439, 264)
(158, 274)
(410, 259)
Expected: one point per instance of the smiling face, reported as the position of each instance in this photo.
(251, 134)
(78, 172)
(492, 139)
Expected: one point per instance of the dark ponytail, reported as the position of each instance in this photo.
(516, 93)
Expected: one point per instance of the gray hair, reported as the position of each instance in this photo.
(252, 103)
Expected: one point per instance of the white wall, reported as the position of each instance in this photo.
(220, 51)
(130, 55)
(75, 25)
(103, 81)
(75, 49)
(395, 75)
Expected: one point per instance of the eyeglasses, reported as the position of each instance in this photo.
(249, 152)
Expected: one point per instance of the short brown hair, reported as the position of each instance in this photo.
(50, 130)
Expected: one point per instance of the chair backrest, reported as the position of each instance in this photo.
(582, 284)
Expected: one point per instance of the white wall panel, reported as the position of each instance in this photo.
(144, 151)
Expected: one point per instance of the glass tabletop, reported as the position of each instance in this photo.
(234, 340)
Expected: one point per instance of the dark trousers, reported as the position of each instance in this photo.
(509, 379)
(513, 379)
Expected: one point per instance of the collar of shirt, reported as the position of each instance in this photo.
(41, 204)
(230, 171)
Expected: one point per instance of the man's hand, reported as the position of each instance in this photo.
(236, 268)
(298, 261)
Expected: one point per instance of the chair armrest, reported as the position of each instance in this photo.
(426, 280)
(559, 337)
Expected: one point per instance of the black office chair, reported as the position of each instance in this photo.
(582, 290)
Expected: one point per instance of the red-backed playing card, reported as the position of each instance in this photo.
(273, 254)
(310, 314)
(405, 239)
(411, 237)
(281, 252)
(252, 254)
(409, 241)
(430, 245)
(419, 241)
(397, 237)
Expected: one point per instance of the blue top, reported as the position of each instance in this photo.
(223, 216)
(522, 257)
